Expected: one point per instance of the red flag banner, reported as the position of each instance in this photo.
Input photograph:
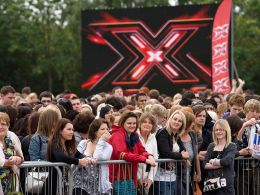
(220, 48)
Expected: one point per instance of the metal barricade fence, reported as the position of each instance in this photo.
(171, 176)
(247, 180)
(45, 178)
(94, 179)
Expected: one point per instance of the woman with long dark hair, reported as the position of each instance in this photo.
(62, 148)
(95, 148)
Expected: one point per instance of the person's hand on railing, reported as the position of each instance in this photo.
(93, 161)
(185, 154)
(151, 161)
(9, 162)
(84, 162)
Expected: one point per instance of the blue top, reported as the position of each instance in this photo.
(38, 147)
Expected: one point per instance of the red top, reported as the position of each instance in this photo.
(121, 152)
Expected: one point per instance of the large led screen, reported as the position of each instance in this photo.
(167, 48)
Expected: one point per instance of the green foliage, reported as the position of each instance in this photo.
(41, 40)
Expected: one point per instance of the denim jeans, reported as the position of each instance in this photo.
(165, 187)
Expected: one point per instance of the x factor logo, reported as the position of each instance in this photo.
(220, 32)
(221, 85)
(142, 52)
(220, 67)
(220, 50)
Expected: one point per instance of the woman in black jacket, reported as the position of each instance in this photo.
(62, 148)
(219, 160)
(168, 148)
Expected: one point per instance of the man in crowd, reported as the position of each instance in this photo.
(236, 104)
(141, 99)
(7, 95)
(46, 98)
(118, 92)
(76, 104)
(248, 173)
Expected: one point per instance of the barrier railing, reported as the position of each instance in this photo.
(59, 178)
(247, 180)
(86, 180)
(42, 177)
(170, 177)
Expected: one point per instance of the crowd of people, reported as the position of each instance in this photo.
(207, 130)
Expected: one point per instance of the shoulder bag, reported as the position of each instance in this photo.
(36, 178)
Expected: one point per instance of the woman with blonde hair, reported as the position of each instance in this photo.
(168, 147)
(38, 144)
(160, 114)
(219, 160)
(173, 109)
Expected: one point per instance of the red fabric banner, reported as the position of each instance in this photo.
(220, 48)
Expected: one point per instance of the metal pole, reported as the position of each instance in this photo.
(187, 181)
(234, 72)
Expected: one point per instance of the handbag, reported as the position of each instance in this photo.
(35, 180)
(125, 186)
(13, 184)
(197, 190)
(214, 184)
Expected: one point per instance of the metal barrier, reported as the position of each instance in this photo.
(42, 177)
(171, 176)
(247, 180)
(87, 180)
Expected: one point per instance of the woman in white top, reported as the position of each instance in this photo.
(147, 127)
(96, 148)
